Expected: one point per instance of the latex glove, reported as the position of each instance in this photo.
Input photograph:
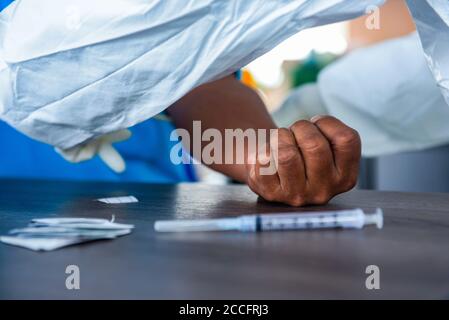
(102, 147)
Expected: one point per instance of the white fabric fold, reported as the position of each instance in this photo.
(79, 70)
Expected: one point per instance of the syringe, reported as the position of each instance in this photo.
(355, 219)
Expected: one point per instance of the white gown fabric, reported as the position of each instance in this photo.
(76, 70)
(73, 71)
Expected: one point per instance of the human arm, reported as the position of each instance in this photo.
(316, 160)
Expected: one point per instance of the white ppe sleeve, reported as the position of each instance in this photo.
(81, 69)
(432, 21)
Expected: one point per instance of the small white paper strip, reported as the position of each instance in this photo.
(119, 200)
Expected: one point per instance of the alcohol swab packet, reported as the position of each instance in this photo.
(40, 244)
(119, 200)
(46, 232)
(81, 223)
(53, 242)
(53, 233)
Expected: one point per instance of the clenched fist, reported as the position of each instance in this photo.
(315, 160)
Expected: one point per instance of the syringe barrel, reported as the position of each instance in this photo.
(320, 220)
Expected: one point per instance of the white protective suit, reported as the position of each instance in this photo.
(76, 70)
(73, 71)
(385, 91)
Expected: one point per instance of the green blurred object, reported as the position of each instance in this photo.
(308, 70)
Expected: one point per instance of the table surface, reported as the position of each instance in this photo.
(412, 251)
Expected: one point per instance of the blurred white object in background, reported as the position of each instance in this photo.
(385, 91)
(301, 104)
(267, 70)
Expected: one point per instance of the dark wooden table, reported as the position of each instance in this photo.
(412, 251)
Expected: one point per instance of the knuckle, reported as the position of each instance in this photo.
(300, 126)
(347, 137)
(296, 201)
(312, 142)
(284, 135)
(252, 174)
(326, 119)
(321, 198)
(287, 155)
(350, 183)
(253, 188)
(269, 196)
(269, 191)
(251, 182)
(254, 185)
(263, 158)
